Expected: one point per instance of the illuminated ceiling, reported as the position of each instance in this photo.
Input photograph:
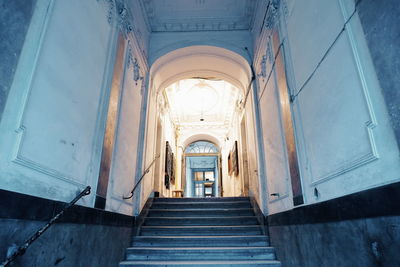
(202, 104)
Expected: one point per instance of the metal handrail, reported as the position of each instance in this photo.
(141, 178)
(21, 249)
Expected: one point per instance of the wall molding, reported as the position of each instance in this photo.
(18, 157)
(17, 153)
(371, 124)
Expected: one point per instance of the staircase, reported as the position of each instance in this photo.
(200, 232)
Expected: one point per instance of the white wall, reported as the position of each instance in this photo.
(51, 132)
(345, 142)
(51, 135)
(256, 187)
(157, 112)
(124, 165)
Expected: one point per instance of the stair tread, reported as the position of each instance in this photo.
(199, 248)
(197, 236)
(201, 232)
(174, 199)
(203, 209)
(197, 202)
(199, 226)
(197, 217)
(200, 262)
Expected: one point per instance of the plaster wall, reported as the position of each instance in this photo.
(276, 160)
(255, 187)
(232, 184)
(170, 136)
(380, 26)
(344, 138)
(157, 112)
(15, 18)
(52, 123)
(344, 128)
(124, 163)
(150, 149)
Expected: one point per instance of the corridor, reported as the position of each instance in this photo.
(200, 132)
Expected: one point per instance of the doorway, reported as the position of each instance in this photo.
(202, 170)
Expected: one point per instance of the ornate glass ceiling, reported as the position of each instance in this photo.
(200, 103)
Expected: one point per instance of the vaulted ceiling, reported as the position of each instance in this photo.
(198, 15)
(200, 103)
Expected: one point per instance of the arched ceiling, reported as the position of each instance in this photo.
(200, 61)
(202, 86)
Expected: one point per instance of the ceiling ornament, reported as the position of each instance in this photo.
(110, 9)
(199, 15)
(272, 14)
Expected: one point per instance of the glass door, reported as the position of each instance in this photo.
(204, 183)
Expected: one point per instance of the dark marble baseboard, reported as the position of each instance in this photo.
(376, 202)
(140, 218)
(259, 214)
(65, 244)
(371, 242)
(24, 207)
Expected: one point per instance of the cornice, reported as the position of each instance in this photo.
(243, 22)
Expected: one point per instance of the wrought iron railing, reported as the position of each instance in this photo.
(141, 178)
(21, 249)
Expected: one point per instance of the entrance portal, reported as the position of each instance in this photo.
(202, 170)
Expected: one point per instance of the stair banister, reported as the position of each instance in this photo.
(141, 178)
(21, 249)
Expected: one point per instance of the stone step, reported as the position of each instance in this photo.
(203, 241)
(200, 230)
(227, 263)
(201, 205)
(200, 212)
(200, 199)
(190, 221)
(203, 253)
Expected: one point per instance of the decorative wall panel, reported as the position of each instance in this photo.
(52, 126)
(274, 144)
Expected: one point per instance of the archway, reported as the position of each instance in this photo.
(192, 69)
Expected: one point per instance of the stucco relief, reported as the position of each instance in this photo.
(110, 9)
(263, 67)
(133, 62)
(272, 14)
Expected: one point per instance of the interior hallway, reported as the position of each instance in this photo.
(293, 105)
